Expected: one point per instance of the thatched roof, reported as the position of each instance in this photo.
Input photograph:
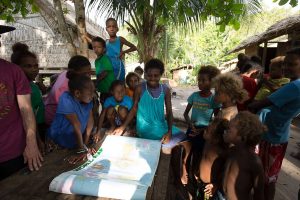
(282, 27)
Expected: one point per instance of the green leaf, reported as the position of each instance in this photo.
(222, 27)
(293, 3)
(282, 2)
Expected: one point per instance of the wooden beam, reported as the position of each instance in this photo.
(264, 57)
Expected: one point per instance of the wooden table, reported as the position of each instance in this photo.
(25, 185)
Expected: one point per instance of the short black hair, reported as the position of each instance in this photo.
(111, 19)
(129, 75)
(100, 40)
(210, 70)
(256, 59)
(295, 51)
(20, 50)
(155, 63)
(139, 68)
(77, 81)
(78, 62)
(115, 83)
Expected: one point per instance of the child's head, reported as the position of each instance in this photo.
(139, 71)
(276, 67)
(112, 27)
(99, 46)
(117, 89)
(205, 75)
(246, 128)
(292, 63)
(132, 80)
(81, 87)
(229, 88)
(26, 60)
(154, 69)
(215, 131)
(80, 65)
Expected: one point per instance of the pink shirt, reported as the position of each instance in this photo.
(51, 101)
(13, 82)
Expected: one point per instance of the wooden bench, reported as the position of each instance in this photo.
(25, 185)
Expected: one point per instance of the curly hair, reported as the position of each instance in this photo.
(249, 128)
(210, 70)
(231, 85)
(155, 63)
(129, 75)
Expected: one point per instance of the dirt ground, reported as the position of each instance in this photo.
(289, 179)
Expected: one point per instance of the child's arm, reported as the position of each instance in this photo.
(88, 38)
(89, 128)
(186, 115)
(77, 129)
(166, 138)
(98, 135)
(132, 113)
(131, 46)
(258, 185)
(102, 75)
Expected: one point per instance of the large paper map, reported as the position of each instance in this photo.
(123, 168)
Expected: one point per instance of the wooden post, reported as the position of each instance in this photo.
(264, 57)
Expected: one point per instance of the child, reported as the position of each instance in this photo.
(78, 64)
(203, 106)
(150, 101)
(275, 81)
(213, 159)
(229, 92)
(132, 80)
(279, 109)
(29, 64)
(114, 46)
(140, 72)
(243, 177)
(115, 109)
(73, 122)
(104, 70)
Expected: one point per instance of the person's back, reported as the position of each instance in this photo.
(242, 166)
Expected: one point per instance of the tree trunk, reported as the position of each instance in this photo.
(63, 28)
(81, 27)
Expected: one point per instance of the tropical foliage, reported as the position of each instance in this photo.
(147, 20)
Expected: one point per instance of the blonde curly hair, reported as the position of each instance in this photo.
(231, 85)
(249, 128)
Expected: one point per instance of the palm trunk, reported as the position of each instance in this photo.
(62, 26)
(81, 27)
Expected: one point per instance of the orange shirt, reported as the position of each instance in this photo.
(129, 92)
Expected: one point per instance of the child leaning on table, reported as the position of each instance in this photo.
(73, 121)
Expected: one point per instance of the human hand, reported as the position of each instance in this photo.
(166, 137)
(32, 155)
(119, 131)
(210, 189)
(122, 55)
(97, 137)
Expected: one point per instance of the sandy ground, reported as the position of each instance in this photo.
(289, 178)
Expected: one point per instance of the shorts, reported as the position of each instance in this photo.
(271, 156)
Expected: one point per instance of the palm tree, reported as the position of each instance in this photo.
(147, 19)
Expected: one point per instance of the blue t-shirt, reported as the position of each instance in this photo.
(61, 130)
(202, 109)
(111, 102)
(278, 117)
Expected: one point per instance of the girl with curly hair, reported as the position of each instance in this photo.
(229, 92)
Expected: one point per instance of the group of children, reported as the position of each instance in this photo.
(221, 144)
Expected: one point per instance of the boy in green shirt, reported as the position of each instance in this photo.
(104, 70)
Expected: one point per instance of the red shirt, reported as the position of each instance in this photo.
(13, 82)
(251, 87)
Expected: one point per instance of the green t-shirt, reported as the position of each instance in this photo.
(103, 64)
(37, 103)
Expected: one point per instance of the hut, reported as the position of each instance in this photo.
(275, 41)
(40, 32)
(181, 74)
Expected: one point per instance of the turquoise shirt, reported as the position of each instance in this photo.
(278, 117)
(202, 108)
